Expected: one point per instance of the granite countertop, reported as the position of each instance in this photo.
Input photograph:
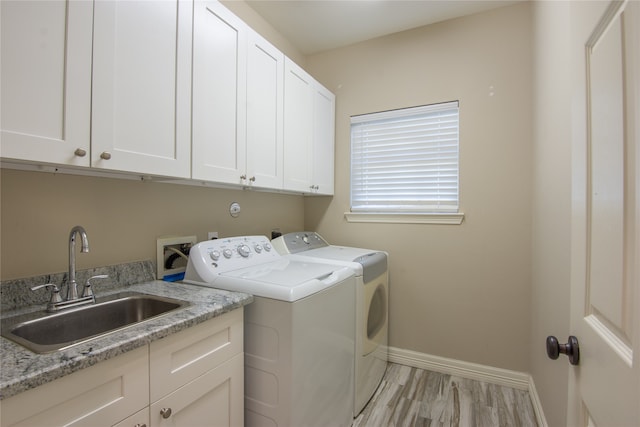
(21, 369)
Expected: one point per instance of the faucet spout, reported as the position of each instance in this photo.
(72, 289)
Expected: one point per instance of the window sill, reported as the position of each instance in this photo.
(409, 218)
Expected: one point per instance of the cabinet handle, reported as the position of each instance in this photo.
(165, 412)
(80, 152)
(252, 179)
(243, 177)
(105, 155)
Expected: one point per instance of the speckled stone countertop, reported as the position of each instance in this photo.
(21, 369)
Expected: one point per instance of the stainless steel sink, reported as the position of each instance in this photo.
(45, 333)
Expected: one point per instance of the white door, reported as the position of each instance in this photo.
(324, 118)
(142, 87)
(219, 94)
(605, 289)
(298, 128)
(265, 97)
(46, 81)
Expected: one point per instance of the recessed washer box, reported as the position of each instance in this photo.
(165, 248)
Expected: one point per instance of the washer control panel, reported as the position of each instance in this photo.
(232, 253)
(292, 243)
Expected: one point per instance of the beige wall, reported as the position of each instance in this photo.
(551, 202)
(262, 27)
(456, 291)
(123, 218)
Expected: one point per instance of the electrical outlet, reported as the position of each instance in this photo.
(212, 235)
(171, 255)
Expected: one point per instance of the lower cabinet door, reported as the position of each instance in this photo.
(215, 398)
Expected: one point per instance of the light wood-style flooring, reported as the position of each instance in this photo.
(415, 397)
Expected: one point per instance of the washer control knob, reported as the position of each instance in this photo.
(267, 247)
(227, 253)
(244, 250)
(215, 255)
(305, 238)
(258, 248)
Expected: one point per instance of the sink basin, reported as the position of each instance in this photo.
(52, 332)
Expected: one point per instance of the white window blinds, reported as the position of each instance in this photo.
(405, 161)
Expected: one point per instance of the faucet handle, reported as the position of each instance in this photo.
(55, 292)
(87, 291)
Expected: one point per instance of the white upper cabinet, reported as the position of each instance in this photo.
(172, 88)
(265, 124)
(324, 114)
(309, 117)
(298, 128)
(142, 86)
(46, 81)
(237, 101)
(219, 94)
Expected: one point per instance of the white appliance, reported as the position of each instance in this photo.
(298, 332)
(372, 290)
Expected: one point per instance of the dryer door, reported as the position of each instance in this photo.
(376, 303)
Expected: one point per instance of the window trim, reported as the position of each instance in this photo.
(406, 218)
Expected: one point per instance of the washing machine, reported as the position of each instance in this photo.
(372, 290)
(298, 333)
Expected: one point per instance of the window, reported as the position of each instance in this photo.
(405, 163)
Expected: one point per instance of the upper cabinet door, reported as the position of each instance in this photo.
(265, 97)
(298, 128)
(142, 86)
(324, 117)
(46, 81)
(219, 94)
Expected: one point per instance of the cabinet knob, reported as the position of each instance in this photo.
(252, 179)
(80, 152)
(165, 412)
(140, 425)
(105, 155)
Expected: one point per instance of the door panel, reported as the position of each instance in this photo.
(219, 94)
(142, 87)
(605, 388)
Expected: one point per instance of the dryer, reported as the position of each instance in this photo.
(298, 332)
(371, 308)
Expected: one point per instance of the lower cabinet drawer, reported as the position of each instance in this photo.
(139, 419)
(101, 395)
(180, 358)
(213, 399)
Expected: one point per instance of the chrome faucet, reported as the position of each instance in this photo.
(56, 302)
(72, 290)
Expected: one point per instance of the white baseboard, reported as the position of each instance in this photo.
(474, 371)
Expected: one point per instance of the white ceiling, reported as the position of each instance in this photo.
(317, 25)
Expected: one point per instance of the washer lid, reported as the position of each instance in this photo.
(285, 279)
(340, 253)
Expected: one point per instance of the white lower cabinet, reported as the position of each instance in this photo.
(210, 400)
(101, 395)
(197, 376)
(192, 378)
